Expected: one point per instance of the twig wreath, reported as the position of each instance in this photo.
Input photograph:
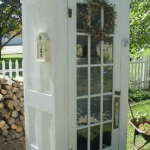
(92, 20)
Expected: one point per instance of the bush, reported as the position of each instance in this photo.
(138, 95)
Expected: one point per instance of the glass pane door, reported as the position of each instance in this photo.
(97, 116)
(94, 97)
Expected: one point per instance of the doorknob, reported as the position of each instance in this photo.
(125, 42)
(118, 93)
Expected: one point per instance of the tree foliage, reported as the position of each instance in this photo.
(139, 26)
(10, 20)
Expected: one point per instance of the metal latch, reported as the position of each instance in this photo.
(69, 13)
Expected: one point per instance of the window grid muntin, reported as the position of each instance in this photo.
(95, 95)
(89, 85)
(101, 127)
(95, 124)
(95, 65)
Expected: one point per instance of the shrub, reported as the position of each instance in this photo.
(138, 95)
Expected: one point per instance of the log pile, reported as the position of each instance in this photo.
(12, 120)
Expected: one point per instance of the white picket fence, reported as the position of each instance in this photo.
(10, 71)
(139, 73)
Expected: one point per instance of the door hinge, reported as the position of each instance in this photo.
(69, 13)
(118, 93)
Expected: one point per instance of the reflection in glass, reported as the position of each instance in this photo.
(95, 52)
(95, 110)
(95, 80)
(107, 107)
(82, 139)
(107, 135)
(107, 19)
(82, 81)
(108, 79)
(81, 9)
(82, 112)
(82, 50)
(108, 51)
(95, 138)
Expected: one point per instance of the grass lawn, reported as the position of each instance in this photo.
(143, 107)
(13, 58)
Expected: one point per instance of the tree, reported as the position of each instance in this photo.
(139, 26)
(10, 20)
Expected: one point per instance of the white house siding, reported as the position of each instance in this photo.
(14, 41)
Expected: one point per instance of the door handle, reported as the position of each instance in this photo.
(116, 112)
(118, 93)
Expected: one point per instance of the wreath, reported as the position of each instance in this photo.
(92, 20)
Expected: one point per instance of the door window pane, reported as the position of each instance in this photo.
(81, 9)
(82, 139)
(95, 110)
(107, 107)
(108, 51)
(108, 19)
(82, 81)
(96, 18)
(82, 50)
(82, 112)
(95, 138)
(95, 52)
(108, 79)
(107, 135)
(95, 80)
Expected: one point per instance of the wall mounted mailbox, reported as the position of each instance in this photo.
(43, 47)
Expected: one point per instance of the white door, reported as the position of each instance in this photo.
(37, 77)
(95, 74)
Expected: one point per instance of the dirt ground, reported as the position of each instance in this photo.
(17, 144)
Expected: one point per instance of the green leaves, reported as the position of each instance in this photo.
(138, 95)
(140, 117)
(10, 20)
(139, 26)
(10, 16)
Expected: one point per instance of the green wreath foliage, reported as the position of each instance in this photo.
(92, 20)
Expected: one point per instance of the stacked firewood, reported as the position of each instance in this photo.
(12, 120)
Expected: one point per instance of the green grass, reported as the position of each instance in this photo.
(142, 107)
(12, 56)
